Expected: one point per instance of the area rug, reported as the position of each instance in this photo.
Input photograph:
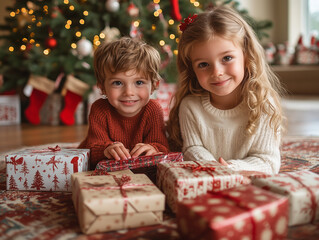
(51, 215)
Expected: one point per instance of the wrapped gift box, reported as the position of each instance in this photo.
(116, 201)
(189, 179)
(137, 162)
(302, 189)
(140, 164)
(9, 109)
(245, 212)
(45, 169)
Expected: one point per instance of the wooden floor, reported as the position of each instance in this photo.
(16, 136)
(301, 122)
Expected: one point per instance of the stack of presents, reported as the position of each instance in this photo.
(209, 201)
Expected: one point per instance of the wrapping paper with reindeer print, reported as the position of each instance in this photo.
(45, 169)
(302, 189)
(245, 212)
(189, 179)
(116, 201)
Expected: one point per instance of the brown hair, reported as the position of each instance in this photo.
(126, 54)
(260, 87)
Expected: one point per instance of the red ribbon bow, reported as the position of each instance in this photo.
(50, 149)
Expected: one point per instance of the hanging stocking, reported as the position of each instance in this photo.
(74, 89)
(42, 87)
(175, 13)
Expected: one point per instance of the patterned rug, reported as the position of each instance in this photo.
(51, 215)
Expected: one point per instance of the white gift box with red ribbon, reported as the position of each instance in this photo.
(302, 189)
(189, 179)
(45, 169)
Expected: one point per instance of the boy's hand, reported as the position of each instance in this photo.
(141, 148)
(117, 151)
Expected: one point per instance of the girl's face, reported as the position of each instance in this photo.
(219, 67)
(128, 92)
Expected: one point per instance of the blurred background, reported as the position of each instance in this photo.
(47, 82)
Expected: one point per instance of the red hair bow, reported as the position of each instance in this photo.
(187, 21)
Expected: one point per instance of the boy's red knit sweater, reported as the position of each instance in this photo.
(106, 126)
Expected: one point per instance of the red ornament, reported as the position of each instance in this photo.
(51, 42)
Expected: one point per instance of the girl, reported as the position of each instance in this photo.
(227, 106)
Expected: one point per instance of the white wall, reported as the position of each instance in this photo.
(286, 15)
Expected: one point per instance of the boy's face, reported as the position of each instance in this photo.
(128, 92)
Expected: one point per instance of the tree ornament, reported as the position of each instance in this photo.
(111, 33)
(112, 5)
(175, 13)
(132, 10)
(84, 47)
(135, 31)
(51, 42)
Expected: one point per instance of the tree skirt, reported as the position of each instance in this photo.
(51, 215)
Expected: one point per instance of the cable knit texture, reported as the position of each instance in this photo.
(106, 126)
(209, 133)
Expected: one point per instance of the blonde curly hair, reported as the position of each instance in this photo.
(261, 89)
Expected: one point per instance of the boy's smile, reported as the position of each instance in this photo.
(128, 92)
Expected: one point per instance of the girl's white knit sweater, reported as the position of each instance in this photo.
(209, 133)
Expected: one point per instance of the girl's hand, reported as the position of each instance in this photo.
(141, 148)
(246, 174)
(117, 151)
(222, 161)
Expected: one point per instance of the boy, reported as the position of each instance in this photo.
(127, 123)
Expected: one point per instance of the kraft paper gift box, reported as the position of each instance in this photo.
(245, 212)
(116, 201)
(302, 189)
(189, 179)
(45, 169)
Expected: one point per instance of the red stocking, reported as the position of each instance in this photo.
(37, 99)
(175, 13)
(71, 101)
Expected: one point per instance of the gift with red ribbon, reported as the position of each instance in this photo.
(189, 179)
(141, 164)
(302, 189)
(115, 201)
(47, 169)
(245, 212)
(137, 162)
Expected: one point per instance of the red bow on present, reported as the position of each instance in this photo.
(50, 149)
(198, 168)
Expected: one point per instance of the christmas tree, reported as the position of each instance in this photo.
(49, 44)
